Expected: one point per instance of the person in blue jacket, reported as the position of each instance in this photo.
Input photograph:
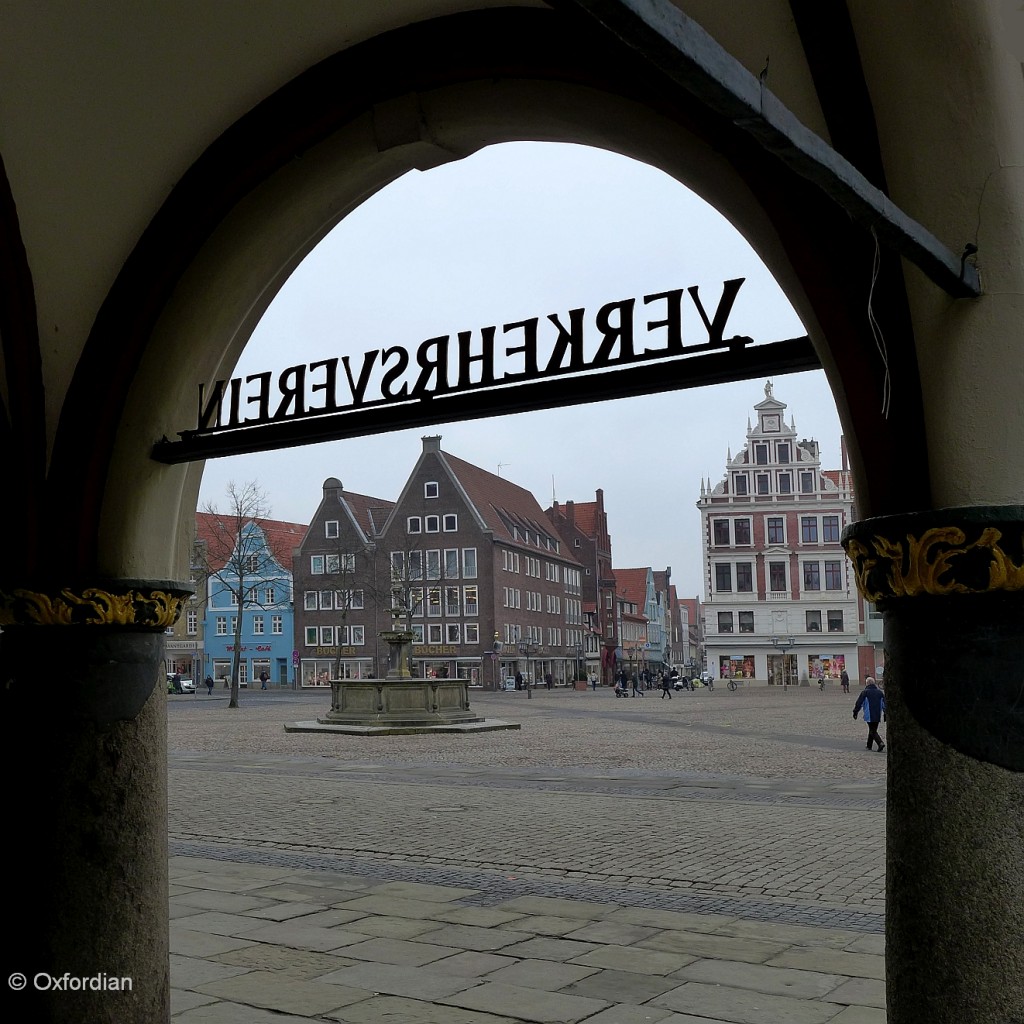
(872, 700)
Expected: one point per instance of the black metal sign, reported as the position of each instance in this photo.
(626, 347)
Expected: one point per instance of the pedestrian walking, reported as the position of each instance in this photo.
(637, 692)
(263, 679)
(519, 680)
(666, 685)
(209, 685)
(844, 681)
(872, 700)
(593, 681)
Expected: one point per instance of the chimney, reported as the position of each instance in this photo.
(570, 512)
(432, 444)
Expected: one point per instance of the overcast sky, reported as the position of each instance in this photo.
(521, 231)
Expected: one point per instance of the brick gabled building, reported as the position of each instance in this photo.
(584, 525)
(341, 593)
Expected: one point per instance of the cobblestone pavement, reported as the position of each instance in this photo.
(755, 817)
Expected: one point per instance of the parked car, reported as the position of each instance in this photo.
(187, 685)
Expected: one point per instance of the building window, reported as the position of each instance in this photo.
(252, 563)
(316, 565)
(414, 524)
(777, 577)
(269, 596)
(741, 529)
(415, 565)
(761, 454)
(276, 624)
(451, 601)
(434, 633)
(720, 530)
(809, 530)
(326, 636)
(451, 563)
(812, 576)
(472, 632)
(782, 453)
(830, 529)
(327, 599)
(725, 622)
(450, 523)
(833, 575)
(432, 524)
(430, 489)
(746, 622)
(434, 564)
(470, 595)
(357, 635)
(453, 633)
(576, 542)
(469, 563)
(257, 625)
(191, 622)
(723, 577)
(415, 598)
(739, 483)
(835, 621)
(785, 483)
(744, 578)
(763, 481)
(434, 601)
(233, 624)
(311, 636)
(331, 529)
(813, 622)
(221, 626)
(806, 483)
(776, 530)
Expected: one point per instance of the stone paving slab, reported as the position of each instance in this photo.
(186, 942)
(547, 975)
(400, 1010)
(398, 951)
(273, 991)
(529, 1004)
(742, 1006)
(860, 992)
(302, 936)
(779, 981)
(703, 944)
(296, 963)
(396, 980)
(857, 965)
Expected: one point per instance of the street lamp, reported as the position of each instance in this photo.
(784, 643)
(496, 646)
(579, 658)
(527, 648)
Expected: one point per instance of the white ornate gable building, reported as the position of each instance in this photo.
(780, 600)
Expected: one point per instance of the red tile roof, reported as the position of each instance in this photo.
(282, 538)
(632, 585)
(370, 513)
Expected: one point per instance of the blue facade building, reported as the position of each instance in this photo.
(252, 561)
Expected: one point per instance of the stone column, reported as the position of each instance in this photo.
(950, 584)
(85, 753)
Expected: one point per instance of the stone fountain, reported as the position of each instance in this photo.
(399, 704)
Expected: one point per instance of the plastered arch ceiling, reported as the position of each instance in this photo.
(283, 175)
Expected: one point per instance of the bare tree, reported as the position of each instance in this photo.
(237, 556)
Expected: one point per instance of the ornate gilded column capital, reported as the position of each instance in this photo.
(145, 605)
(975, 550)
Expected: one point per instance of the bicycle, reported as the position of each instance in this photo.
(733, 683)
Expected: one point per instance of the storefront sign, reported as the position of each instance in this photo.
(338, 397)
(419, 650)
(332, 652)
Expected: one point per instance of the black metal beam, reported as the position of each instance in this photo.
(682, 51)
(792, 355)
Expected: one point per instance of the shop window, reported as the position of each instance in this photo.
(830, 529)
(720, 531)
(331, 529)
(430, 489)
(725, 622)
(723, 577)
(812, 576)
(741, 529)
(746, 622)
(744, 578)
(833, 575)
(813, 621)
(835, 622)
(414, 524)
